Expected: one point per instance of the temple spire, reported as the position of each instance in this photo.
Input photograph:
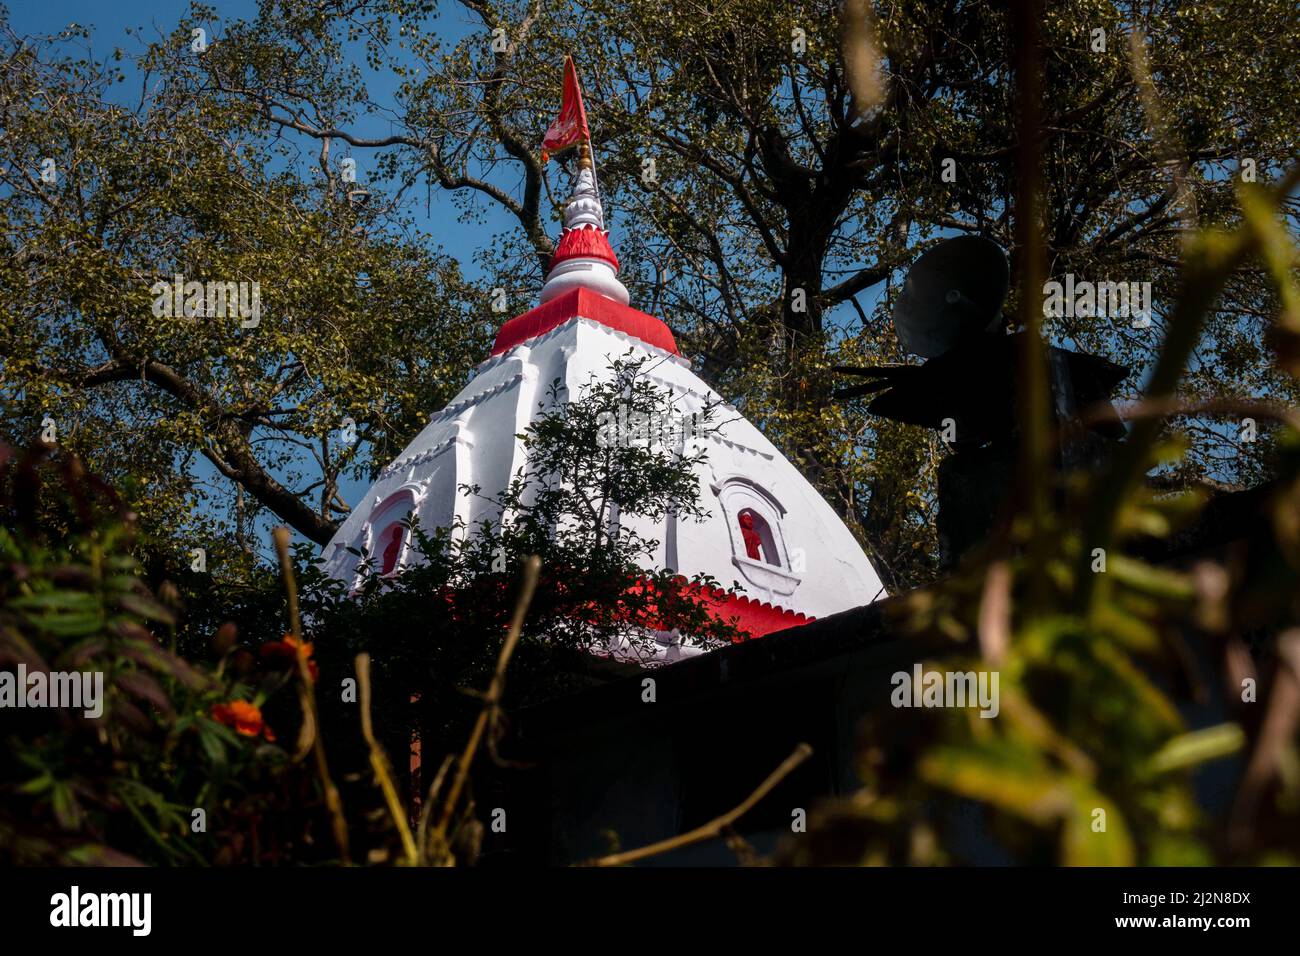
(584, 207)
(584, 257)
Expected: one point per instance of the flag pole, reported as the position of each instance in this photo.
(595, 180)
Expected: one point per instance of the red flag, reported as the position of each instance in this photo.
(570, 127)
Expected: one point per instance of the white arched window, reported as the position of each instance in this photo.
(387, 537)
(754, 523)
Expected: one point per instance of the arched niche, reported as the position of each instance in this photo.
(745, 501)
(387, 538)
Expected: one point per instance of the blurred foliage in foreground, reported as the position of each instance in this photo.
(123, 787)
(1103, 656)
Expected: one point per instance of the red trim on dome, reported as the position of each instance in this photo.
(589, 305)
(755, 618)
(585, 242)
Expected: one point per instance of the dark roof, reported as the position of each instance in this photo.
(857, 629)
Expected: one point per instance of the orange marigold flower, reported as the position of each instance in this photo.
(244, 717)
(286, 652)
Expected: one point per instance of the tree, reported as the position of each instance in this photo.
(349, 330)
(772, 166)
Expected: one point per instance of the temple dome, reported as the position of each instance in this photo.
(767, 528)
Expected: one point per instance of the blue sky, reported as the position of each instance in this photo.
(109, 23)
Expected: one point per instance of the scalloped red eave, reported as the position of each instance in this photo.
(588, 305)
(585, 243)
(756, 618)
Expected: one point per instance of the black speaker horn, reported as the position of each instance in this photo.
(955, 289)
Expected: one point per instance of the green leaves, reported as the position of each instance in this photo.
(988, 776)
(360, 318)
(1278, 250)
(1200, 746)
(116, 787)
(65, 614)
(1092, 829)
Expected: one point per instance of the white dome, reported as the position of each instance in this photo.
(768, 530)
(810, 564)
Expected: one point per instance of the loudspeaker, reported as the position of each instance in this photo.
(956, 288)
